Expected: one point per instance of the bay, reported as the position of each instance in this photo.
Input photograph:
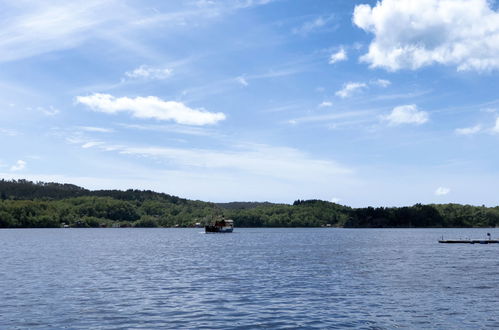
(252, 278)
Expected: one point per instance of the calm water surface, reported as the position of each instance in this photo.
(253, 278)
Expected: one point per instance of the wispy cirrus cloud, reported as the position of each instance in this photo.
(178, 129)
(254, 160)
(9, 132)
(381, 82)
(48, 111)
(150, 107)
(313, 25)
(38, 28)
(328, 117)
(32, 28)
(91, 144)
(96, 129)
(469, 130)
(242, 81)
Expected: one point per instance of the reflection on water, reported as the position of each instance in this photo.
(268, 278)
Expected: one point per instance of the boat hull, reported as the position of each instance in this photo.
(215, 229)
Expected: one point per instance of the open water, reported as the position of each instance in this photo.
(252, 278)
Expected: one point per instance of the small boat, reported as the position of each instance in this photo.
(220, 226)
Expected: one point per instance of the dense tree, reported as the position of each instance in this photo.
(27, 204)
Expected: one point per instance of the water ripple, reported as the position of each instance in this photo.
(254, 278)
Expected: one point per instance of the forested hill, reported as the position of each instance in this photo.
(25, 204)
(24, 189)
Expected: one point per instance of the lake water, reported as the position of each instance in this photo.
(252, 278)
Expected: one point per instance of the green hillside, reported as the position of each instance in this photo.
(26, 204)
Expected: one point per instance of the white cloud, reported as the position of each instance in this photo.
(382, 83)
(242, 81)
(277, 162)
(147, 72)
(36, 28)
(442, 191)
(180, 129)
(20, 165)
(495, 129)
(412, 34)
(325, 104)
(349, 89)
(406, 114)
(50, 111)
(313, 25)
(205, 3)
(253, 161)
(96, 129)
(151, 107)
(247, 3)
(91, 144)
(328, 117)
(339, 56)
(335, 200)
(469, 130)
(31, 28)
(352, 87)
(9, 132)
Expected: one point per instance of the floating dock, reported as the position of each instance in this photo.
(469, 241)
(488, 240)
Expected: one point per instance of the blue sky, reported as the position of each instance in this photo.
(359, 102)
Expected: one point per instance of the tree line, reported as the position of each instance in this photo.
(26, 204)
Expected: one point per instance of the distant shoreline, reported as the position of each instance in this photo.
(26, 204)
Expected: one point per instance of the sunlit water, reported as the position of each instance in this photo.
(252, 278)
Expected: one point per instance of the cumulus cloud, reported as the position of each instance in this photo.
(412, 34)
(406, 114)
(469, 130)
(339, 56)
(147, 72)
(20, 165)
(442, 191)
(350, 88)
(151, 107)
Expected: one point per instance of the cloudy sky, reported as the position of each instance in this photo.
(358, 102)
